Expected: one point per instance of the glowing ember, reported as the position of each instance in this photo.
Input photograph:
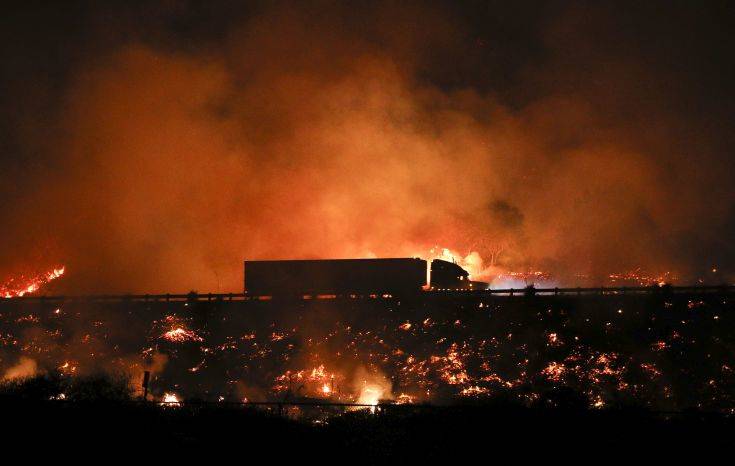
(554, 371)
(650, 369)
(170, 399)
(659, 346)
(317, 382)
(180, 334)
(553, 339)
(474, 390)
(640, 278)
(405, 399)
(510, 279)
(68, 368)
(445, 354)
(598, 402)
(177, 331)
(21, 286)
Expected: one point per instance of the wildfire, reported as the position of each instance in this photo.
(21, 286)
(170, 399)
(451, 367)
(474, 390)
(471, 262)
(177, 331)
(554, 371)
(372, 393)
(68, 368)
(659, 345)
(640, 278)
(553, 339)
(521, 279)
(180, 334)
(316, 382)
(597, 402)
(431, 355)
(405, 399)
(650, 369)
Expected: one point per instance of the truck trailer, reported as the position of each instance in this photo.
(334, 277)
(397, 276)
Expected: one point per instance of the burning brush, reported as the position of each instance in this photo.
(23, 285)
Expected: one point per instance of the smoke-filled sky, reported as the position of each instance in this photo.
(152, 146)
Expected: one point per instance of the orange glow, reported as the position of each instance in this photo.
(21, 286)
(170, 399)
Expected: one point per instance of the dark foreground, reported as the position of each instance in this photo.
(545, 378)
(394, 435)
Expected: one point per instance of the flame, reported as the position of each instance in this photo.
(474, 390)
(370, 395)
(68, 368)
(554, 371)
(405, 399)
(472, 262)
(521, 279)
(427, 357)
(499, 277)
(641, 278)
(21, 286)
(180, 334)
(177, 331)
(373, 389)
(170, 399)
(318, 382)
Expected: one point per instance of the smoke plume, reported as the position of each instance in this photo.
(165, 151)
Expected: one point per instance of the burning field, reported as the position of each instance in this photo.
(153, 146)
(662, 352)
(25, 285)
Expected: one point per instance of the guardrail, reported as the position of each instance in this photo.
(507, 292)
(278, 407)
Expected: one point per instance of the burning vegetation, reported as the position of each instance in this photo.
(391, 145)
(665, 352)
(25, 285)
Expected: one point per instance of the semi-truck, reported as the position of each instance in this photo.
(394, 276)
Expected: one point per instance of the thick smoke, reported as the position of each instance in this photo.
(559, 139)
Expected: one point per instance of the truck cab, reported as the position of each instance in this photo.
(447, 275)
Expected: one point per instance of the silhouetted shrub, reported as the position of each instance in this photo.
(37, 388)
(52, 386)
(99, 387)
